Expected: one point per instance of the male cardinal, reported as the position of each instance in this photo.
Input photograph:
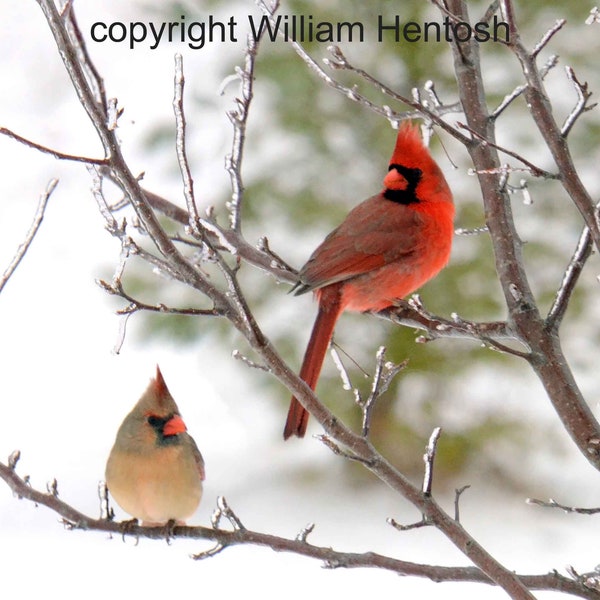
(386, 248)
(155, 470)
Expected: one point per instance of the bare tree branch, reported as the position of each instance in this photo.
(129, 183)
(33, 229)
(385, 372)
(558, 25)
(240, 535)
(258, 256)
(518, 91)
(413, 314)
(582, 252)
(239, 120)
(535, 171)
(79, 45)
(583, 95)
(225, 246)
(136, 305)
(541, 110)
(184, 166)
(545, 354)
(339, 61)
(429, 459)
(459, 492)
(568, 509)
(55, 153)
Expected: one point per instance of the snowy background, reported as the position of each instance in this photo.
(64, 391)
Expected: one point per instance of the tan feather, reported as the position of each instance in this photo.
(155, 470)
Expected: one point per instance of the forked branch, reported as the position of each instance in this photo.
(240, 535)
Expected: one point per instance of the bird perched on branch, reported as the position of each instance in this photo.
(155, 470)
(387, 247)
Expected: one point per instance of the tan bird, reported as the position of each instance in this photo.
(155, 470)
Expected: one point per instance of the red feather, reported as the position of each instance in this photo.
(387, 247)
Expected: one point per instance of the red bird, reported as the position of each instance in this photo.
(387, 247)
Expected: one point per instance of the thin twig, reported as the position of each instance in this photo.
(458, 493)
(252, 364)
(305, 532)
(106, 510)
(472, 230)
(33, 229)
(424, 522)
(276, 260)
(540, 107)
(182, 159)
(338, 60)
(339, 451)
(413, 314)
(589, 580)
(13, 459)
(568, 509)
(121, 333)
(55, 153)
(583, 95)
(213, 551)
(543, 349)
(558, 25)
(239, 120)
(123, 175)
(74, 519)
(223, 510)
(232, 303)
(535, 170)
(228, 239)
(93, 75)
(491, 10)
(593, 17)
(334, 350)
(571, 275)
(385, 372)
(518, 91)
(112, 226)
(116, 288)
(429, 459)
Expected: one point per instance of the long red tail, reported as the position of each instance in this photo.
(329, 311)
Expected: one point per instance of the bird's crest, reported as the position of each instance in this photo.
(160, 387)
(410, 150)
(161, 397)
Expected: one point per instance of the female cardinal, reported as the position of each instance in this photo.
(155, 470)
(386, 248)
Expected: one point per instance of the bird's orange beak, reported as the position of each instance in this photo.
(394, 181)
(174, 426)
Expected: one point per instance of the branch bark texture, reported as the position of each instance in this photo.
(228, 250)
(524, 319)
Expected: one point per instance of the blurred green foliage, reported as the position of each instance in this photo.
(332, 153)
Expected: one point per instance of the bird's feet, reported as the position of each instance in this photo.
(167, 528)
(127, 528)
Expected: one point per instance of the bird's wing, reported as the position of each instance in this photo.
(371, 237)
(197, 457)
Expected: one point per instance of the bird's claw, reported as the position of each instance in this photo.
(127, 528)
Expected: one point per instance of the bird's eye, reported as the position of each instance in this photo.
(153, 420)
